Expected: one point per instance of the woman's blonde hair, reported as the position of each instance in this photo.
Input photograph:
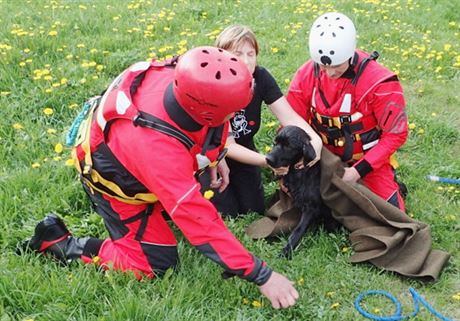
(234, 36)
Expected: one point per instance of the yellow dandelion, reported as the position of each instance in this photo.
(268, 149)
(70, 162)
(82, 81)
(52, 33)
(58, 148)
(412, 126)
(96, 259)
(345, 249)
(48, 111)
(18, 126)
(63, 81)
(57, 158)
(257, 304)
(434, 114)
(300, 281)
(421, 131)
(335, 305)
(274, 49)
(35, 165)
(330, 294)
(245, 301)
(100, 67)
(49, 90)
(22, 64)
(271, 124)
(456, 296)
(26, 50)
(451, 217)
(376, 310)
(208, 194)
(287, 81)
(447, 46)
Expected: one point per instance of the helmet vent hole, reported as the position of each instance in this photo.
(218, 75)
(233, 59)
(333, 34)
(320, 52)
(220, 50)
(204, 64)
(233, 72)
(321, 34)
(341, 27)
(205, 51)
(332, 52)
(317, 26)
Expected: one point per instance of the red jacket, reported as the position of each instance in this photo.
(165, 167)
(376, 100)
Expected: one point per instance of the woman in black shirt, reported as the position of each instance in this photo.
(245, 192)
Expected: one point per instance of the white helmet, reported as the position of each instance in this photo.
(332, 39)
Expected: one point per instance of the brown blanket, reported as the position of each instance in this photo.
(380, 233)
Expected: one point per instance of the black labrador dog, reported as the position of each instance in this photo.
(292, 148)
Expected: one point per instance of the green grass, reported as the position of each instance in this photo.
(55, 54)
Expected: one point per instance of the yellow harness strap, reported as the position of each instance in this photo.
(117, 193)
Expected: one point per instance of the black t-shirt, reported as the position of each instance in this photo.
(246, 122)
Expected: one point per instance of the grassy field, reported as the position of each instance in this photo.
(54, 54)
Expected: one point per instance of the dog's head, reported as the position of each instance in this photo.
(291, 145)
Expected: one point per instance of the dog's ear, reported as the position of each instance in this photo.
(309, 153)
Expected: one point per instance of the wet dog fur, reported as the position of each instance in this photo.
(292, 148)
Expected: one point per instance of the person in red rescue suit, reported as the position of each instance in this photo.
(158, 125)
(355, 104)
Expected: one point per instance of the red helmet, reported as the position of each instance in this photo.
(211, 83)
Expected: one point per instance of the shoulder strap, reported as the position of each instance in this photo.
(373, 56)
(144, 119)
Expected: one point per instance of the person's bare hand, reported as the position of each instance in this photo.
(220, 176)
(280, 291)
(351, 175)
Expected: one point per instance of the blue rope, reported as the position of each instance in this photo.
(443, 179)
(73, 131)
(397, 316)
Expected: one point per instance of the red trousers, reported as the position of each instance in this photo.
(383, 183)
(140, 238)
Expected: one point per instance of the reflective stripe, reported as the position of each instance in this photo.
(346, 104)
(182, 198)
(370, 144)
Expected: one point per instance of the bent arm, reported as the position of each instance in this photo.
(244, 155)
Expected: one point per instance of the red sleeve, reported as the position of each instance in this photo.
(299, 92)
(165, 167)
(388, 105)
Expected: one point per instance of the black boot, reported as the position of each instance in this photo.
(52, 237)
